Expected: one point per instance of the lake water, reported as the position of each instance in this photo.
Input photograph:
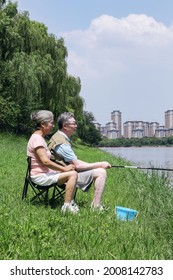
(145, 156)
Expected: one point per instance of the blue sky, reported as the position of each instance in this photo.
(122, 50)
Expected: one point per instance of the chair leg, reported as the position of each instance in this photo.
(46, 198)
(38, 194)
(25, 189)
(58, 193)
(43, 194)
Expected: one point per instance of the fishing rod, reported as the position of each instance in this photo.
(138, 167)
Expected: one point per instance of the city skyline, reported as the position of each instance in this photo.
(138, 120)
(115, 128)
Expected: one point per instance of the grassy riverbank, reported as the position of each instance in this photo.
(37, 232)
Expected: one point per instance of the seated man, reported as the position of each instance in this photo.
(63, 153)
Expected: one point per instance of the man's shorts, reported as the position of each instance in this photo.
(85, 179)
(45, 179)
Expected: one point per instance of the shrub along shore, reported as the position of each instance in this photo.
(34, 231)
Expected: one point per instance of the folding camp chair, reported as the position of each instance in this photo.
(42, 192)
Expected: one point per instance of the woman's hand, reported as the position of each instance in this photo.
(69, 167)
(42, 155)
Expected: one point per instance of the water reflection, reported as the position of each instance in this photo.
(161, 157)
(145, 156)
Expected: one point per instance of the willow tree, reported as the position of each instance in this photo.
(33, 69)
(58, 53)
(75, 101)
(9, 41)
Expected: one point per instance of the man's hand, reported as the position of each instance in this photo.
(105, 164)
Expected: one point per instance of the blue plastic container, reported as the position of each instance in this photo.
(125, 214)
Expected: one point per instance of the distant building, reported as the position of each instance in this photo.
(146, 129)
(152, 128)
(128, 129)
(139, 129)
(138, 133)
(169, 132)
(116, 118)
(136, 129)
(97, 125)
(111, 130)
(103, 131)
(168, 119)
(160, 132)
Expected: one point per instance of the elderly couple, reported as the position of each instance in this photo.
(57, 162)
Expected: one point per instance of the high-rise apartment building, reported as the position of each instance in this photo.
(169, 123)
(160, 132)
(128, 129)
(152, 128)
(97, 125)
(111, 130)
(116, 118)
(139, 129)
(169, 119)
(136, 129)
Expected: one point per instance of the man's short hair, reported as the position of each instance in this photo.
(64, 118)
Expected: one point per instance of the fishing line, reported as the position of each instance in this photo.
(138, 167)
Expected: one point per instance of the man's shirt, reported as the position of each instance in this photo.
(65, 151)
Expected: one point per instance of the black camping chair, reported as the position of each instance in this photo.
(42, 192)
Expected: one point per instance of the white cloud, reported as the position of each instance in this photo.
(124, 64)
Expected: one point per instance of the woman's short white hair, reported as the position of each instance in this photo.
(42, 116)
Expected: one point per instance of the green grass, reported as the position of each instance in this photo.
(34, 231)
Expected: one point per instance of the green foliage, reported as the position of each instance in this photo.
(170, 140)
(87, 130)
(8, 113)
(2, 2)
(33, 71)
(34, 232)
(137, 142)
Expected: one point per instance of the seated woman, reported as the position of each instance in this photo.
(45, 172)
